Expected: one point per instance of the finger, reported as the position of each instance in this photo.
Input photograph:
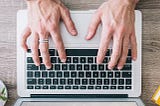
(133, 45)
(68, 21)
(44, 46)
(123, 57)
(26, 33)
(56, 36)
(93, 26)
(105, 40)
(34, 48)
(117, 43)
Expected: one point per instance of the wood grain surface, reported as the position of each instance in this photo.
(151, 43)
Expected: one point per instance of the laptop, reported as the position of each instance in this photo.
(79, 81)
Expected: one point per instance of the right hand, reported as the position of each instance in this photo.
(43, 20)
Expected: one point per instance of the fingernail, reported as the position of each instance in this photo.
(88, 36)
(110, 67)
(74, 32)
(37, 64)
(48, 67)
(134, 58)
(63, 60)
(120, 67)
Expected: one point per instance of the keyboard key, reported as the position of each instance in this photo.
(113, 87)
(114, 81)
(30, 60)
(51, 74)
(93, 67)
(59, 74)
(128, 81)
(129, 52)
(117, 74)
(88, 74)
(106, 82)
(29, 87)
(73, 74)
(90, 87)
(75, 87)
(40, 81)
(31, 81)
(62, 81)
(55, 82)
(82, 60)
(90, 59)
(57, 66)
(95, 74)
(81, 74)
(42, 67)
(86, 67)
(99, 81)
(64, 67)
(105, 87)
(66, 74)
(59, 60)
(126, 74)
(79, 67)
(60, 87)
(72, 67)
(45, 87)
(82, 87)
(37, 74)
(44, 74)
(37, 87)
(120, 87)
(81, 52)
(48, 81)
(127, 67)
(29, 74)
(52, 87)
(121, 81)
(53, 60)
(68, 60)
(128, 87)
(105, 60)
(84, 81)
(75, 60)
(97, 87)
(92, 81)
(77, 81)
(101, 67)
(129, 60)
(52, 52)
(110, 74)
(69, 81)
(102, 74)
(67, 87)
(32, 67)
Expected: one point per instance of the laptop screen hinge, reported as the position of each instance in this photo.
(79, 95)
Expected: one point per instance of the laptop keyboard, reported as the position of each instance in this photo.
(79, 72)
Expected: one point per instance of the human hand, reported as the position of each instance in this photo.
(43, 20)
(117, 18)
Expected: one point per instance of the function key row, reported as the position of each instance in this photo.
(81, 87)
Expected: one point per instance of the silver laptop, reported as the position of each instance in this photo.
(79, 81)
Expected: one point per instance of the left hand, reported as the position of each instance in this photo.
(117, 18)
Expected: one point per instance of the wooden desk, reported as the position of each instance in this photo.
(151, 43)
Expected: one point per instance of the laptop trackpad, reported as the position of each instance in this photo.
(79, 104)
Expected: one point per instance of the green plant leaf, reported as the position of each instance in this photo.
(3, 98)
(3, 91)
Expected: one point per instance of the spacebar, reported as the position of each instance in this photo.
(81, 52)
